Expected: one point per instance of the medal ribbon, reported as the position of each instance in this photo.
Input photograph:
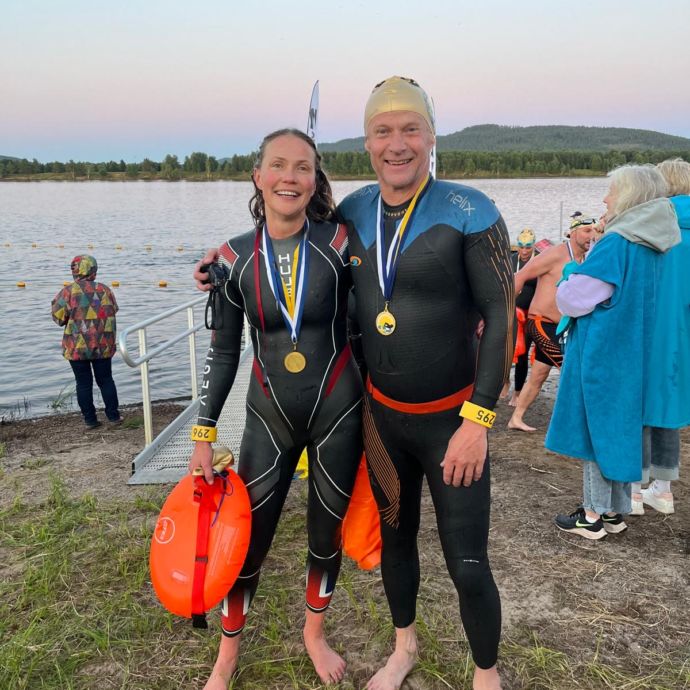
(388, 270)
(291, 316)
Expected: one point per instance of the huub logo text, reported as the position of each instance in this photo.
(462, 201)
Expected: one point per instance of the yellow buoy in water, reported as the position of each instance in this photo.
(162, 283)
(180, 249)
(118, 246)
(115, 283)
(34, 245)
(66, 283)
(21, 284)
(148, 247)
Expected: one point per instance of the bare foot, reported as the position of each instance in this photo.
(514, 399)
(392, 675)
(519, 425)
(486, 679)
(226, 664)
(329, 665)
(504, 391)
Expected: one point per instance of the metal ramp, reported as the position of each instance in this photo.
(165, 460)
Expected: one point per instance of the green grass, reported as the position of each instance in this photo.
(78, 613)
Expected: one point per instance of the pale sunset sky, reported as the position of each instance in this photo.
(95, 80)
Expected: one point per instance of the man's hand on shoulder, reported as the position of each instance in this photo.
(464, 460)
(200, 276)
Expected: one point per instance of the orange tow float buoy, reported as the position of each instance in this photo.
(201, 540)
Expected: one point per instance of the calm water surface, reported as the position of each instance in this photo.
(178, 221)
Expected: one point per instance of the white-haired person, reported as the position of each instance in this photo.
(670, 354)
(605, 380)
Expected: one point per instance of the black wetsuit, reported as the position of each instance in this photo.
(454, 269)
(522, 301)
(318, 408)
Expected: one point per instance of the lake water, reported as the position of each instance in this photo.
(178, 221)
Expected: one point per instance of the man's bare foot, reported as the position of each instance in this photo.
(486, 679)
(400, 663)
(328, 664)
(226, 664)
(392, 675)
(514, 399)
(519, 425)
(504, 391)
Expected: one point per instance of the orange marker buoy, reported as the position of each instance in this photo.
(200, 523)
(162, 283)
(115, 283)
(21, 284)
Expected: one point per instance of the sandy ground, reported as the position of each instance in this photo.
(624, 598)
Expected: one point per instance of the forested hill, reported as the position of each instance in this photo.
(542, 138)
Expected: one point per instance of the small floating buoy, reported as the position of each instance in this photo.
(34, 245)
(162, 283)
(66, 283)
(180, 249)
(118, 246)
(7, 244)
(89, 246)
(21, 284)
(148, 247)
(115, 283)
(61, 246)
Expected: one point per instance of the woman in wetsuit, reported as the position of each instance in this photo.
(290, 277)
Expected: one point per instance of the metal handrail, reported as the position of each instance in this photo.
(142, 360)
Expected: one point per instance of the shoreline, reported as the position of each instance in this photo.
(122, 177)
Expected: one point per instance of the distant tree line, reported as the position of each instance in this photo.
(347, 164)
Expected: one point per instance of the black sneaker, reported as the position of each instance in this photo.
(614, 524)
(92, 425)
(576, 523)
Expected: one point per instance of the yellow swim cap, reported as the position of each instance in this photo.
(399, 93)
(526, 238)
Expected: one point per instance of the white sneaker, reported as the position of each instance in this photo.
(661, 502)
(637, 504)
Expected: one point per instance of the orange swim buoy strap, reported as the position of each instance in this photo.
(202, 496)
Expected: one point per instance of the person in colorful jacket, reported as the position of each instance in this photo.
(86, 309)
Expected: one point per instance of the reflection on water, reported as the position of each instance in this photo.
(145, 232)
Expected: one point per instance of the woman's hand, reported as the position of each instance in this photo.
(202, 456)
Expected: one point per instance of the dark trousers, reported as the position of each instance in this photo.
(102, 371)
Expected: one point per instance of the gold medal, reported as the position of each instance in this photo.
(295, 362)
(385, 322)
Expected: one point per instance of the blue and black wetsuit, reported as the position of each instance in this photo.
(454, 269)
(318, 408)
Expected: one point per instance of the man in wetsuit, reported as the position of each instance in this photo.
(428, 260)
(518, 259)
(543, 316)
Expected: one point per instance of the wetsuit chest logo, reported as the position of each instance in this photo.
(355, 261)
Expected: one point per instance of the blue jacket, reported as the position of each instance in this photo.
(670, 350)
(604, 388)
